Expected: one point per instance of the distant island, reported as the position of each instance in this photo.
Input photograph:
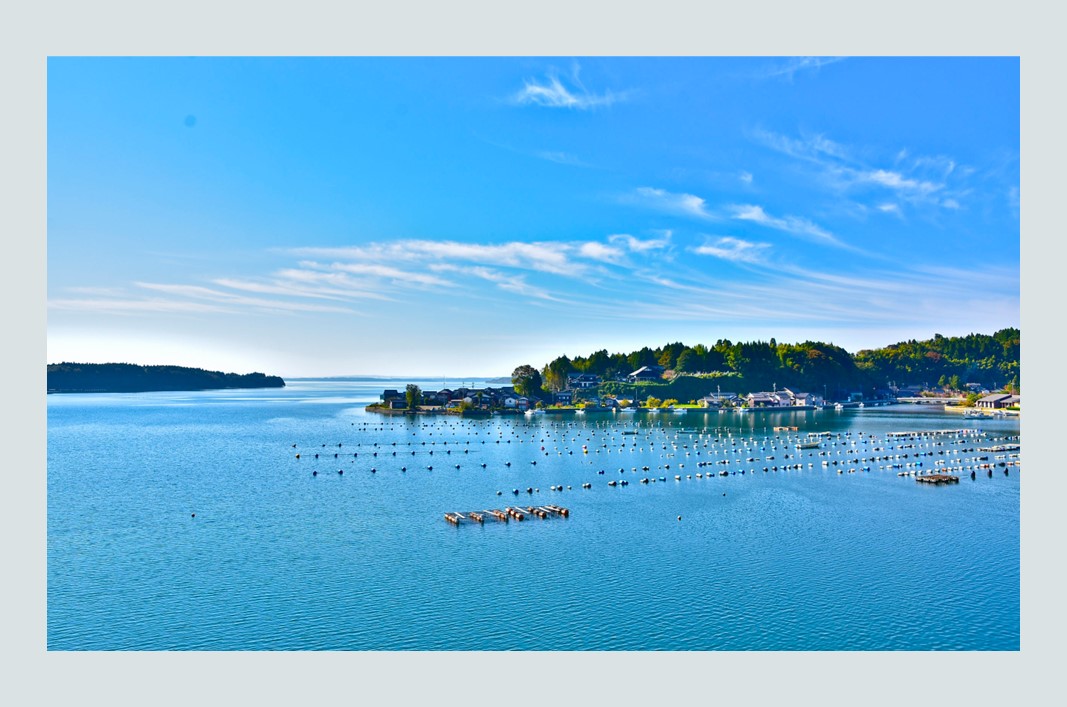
(131, 378)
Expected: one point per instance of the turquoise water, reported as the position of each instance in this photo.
(280, 558)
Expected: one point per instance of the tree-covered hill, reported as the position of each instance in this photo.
(991, 361)
(131, 378)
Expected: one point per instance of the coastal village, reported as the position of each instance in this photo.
(581, 394)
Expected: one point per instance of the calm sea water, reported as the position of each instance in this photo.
(280, 558)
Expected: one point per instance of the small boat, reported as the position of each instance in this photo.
(679, 411)
(838, 406)
(811, 444)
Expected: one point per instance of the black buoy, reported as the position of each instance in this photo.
(314, 473)
(194, 515)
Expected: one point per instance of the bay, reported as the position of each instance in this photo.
(285, 553)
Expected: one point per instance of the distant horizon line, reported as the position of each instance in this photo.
(346, 376)
(428, 377)
(419, 377)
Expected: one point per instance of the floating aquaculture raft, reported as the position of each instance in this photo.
(518, 513)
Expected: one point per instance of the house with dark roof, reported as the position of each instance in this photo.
(996, 401)
(645, 373)
(716, 400)
(581, 381)
(801, 399)
(762, 400)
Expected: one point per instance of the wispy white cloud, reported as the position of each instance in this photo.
(694, 289)
(811, 147)
(889, 208)
(390, 273)
(640, 246)
(304, 283)
(547, 256)
(895, 181)
(185, 299)
(128, 305)
(598, 251)
(551, 92)
(787, 294)
(508, 282)
(792, 66)
(229, 298)
(939, 164)
(97, 291)
(561, 158)
(789, 224)
(914, 180)
(669, 202)
(734, 249)
(745, 177)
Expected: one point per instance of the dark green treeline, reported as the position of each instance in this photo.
(991, 361)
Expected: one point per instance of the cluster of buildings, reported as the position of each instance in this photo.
(506, 398)
(776, 398)
(502, 398)
(475, 398)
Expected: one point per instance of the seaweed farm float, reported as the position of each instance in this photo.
(933, 457)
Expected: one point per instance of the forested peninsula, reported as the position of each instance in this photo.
(131, 378)
(987, 360)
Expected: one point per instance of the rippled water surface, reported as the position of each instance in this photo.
(278, 557)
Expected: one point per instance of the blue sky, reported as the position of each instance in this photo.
(333, 216)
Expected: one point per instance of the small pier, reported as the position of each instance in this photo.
(517, 513)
